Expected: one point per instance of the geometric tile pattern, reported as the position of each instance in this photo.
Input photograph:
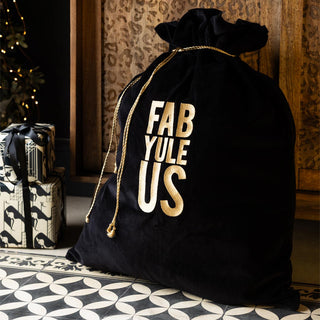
(44, 287)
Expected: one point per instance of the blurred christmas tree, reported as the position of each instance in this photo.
(19, 79)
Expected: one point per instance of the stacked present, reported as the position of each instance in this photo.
(31, 188)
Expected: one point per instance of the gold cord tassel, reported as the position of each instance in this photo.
(111, 230)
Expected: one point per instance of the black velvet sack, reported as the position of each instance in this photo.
(204, 195)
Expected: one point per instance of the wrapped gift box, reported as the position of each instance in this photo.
(47, 203)
(40, 158)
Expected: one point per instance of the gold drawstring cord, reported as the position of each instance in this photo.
(205, 47)
(112, 228)
(114, 125)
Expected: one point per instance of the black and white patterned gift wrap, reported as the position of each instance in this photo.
(40, 158)
(47, 212)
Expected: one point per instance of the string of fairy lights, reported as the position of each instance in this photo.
(19, 76)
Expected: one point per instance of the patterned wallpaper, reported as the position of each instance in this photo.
(309, 133)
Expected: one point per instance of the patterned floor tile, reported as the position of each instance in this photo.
(67, 267)
(24, 261)
(65, 296)
(51, 288)
(152, 301)
(11, 279)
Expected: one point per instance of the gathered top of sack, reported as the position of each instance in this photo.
(206, 27)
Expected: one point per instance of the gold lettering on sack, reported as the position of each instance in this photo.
(182, 152)
(185, 120)
(165, 145)
(153, 117)
(175, 195)
(169, 158)
(167, 120)
(160, 156)
(148, 206)
(149, 144)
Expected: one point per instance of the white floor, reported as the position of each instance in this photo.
(306, 246)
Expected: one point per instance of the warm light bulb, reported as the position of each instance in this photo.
(34, 90)
(7, 23)
(25, 118)
(10, 70)
(17, 43)
(22, 103)
(3, 51)
(36, 102)
(8, 10)
(32, 97)
(21, 18)
(1, 35)
(27, 107)
(15, 79)
(12, 47)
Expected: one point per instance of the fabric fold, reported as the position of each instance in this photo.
(207, 27)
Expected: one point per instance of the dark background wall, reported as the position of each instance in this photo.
(48, 30)
(48, 37)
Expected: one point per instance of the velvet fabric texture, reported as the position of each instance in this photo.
(207, 191)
